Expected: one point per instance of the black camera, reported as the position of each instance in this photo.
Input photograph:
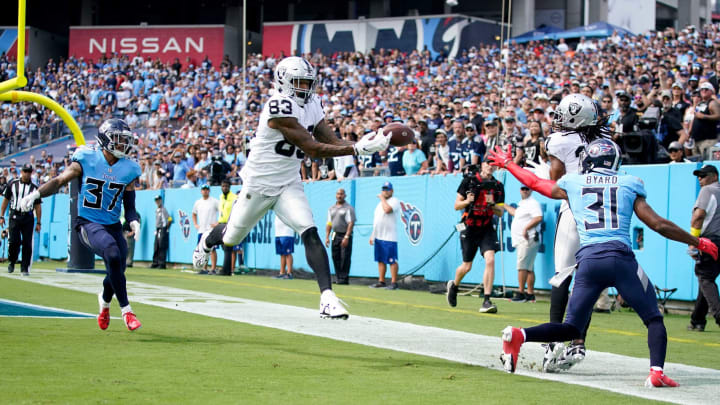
(475, 186)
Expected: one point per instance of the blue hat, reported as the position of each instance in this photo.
(693, 77)
(387, 186)
(205, 186)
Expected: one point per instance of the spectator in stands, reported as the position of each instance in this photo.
(704, 125)
(675, 150)
(414, 160)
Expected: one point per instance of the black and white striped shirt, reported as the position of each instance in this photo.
(16, 190)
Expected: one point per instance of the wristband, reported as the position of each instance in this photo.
(695, 232)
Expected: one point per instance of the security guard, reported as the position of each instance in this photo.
(162, 240)
(21, 223)
(227, 198)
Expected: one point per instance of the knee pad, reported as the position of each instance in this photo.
(653, 320)
(113, 256)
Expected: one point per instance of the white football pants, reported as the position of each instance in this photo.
(291, 206)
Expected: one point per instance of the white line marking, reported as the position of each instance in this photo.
(605, 371)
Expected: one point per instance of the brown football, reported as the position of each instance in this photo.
(400, 135)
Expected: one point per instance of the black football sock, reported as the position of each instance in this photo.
(317, 258)
(551, 332)
(215, 237)
(657, 342)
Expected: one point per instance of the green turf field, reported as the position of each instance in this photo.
(179, 357)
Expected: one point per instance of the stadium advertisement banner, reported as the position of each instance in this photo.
(190, 44)
(440, 35)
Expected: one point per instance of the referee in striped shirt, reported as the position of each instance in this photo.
(21, 223)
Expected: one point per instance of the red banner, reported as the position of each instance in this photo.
(190, 44)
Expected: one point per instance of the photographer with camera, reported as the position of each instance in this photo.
(480, 197)
(217, 169)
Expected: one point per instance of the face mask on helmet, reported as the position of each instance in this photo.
(116, 138)
(295, 77)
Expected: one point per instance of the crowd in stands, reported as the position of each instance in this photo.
(657, 90)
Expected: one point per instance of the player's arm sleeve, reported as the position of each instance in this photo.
(129, 206)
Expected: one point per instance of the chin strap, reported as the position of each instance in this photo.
(529, 179)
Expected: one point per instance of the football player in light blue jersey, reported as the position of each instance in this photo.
(602, 203)
(108, 176)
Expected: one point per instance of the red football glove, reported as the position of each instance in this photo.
(499, 158)
(705, 245)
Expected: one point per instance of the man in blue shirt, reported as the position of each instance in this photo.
(108, 176)
(602, 203)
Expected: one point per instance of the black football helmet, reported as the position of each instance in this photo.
(601, 156)
(115, 136)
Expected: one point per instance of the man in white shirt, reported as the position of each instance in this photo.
(205, 214)
(525, 232)
(384, 236)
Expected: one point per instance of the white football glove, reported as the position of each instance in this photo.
(27, 202)
(135, 226)
(372, 143)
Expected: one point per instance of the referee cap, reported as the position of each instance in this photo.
(27, 167)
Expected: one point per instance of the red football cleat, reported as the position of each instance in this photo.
(131, 321)
(658, 379)
(104, 318)
(512, 340)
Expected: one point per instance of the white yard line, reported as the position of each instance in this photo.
(606, 371)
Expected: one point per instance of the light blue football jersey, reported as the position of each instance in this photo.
(602, 205)
(101, 194)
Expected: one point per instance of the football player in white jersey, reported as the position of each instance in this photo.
(576, 123)
(292, 123)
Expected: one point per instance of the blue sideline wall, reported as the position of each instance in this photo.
(428, 201)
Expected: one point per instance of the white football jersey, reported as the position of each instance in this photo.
(565, 146)
(274, 162)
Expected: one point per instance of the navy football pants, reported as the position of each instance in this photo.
(108, 242)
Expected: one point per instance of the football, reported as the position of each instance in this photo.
(400, 135)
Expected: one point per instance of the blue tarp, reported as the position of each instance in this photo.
(540, 33)
(596, 29)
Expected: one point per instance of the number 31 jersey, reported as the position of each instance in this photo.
(602, 205)
(274, 162)
(101, 193)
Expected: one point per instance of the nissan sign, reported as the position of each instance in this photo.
(150, 42)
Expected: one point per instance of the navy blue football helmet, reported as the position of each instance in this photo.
(601, 156)
(115, 136)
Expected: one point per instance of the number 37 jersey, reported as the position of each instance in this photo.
(602, 205)
(274, 162)
(101, 193)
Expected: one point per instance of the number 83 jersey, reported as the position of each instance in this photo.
(274, 162)
(602, 205)
(101, 193)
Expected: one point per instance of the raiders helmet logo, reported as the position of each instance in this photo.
(574, 108)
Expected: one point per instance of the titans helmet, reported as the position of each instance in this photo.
(601, 156)
(115, 136)
(289, 73)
